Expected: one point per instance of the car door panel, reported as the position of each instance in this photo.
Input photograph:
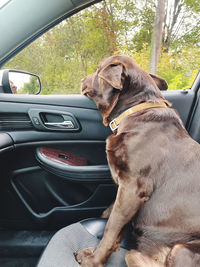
(6, 143)
(89, 119)
(53, 202)
(182, 101)
(44, 194)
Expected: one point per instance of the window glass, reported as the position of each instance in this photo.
(73, 49)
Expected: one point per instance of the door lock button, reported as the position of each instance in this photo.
(36, 121)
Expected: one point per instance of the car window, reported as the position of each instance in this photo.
(72, 49)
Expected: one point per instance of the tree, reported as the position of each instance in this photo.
(181, 24)
(157, 36)
(73, 49)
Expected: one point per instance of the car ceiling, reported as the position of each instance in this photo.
(24, 20)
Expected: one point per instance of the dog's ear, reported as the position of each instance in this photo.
(160, 82)
(114, 73)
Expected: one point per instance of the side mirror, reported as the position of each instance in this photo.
(19, 82)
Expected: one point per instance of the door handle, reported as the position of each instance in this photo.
(63, 124)
(53, 120)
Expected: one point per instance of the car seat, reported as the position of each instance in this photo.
(87, 233)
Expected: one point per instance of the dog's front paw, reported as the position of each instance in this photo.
(81, 254)
(85, 258)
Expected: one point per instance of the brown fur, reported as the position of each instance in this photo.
(155, 164)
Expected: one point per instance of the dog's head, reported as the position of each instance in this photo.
(119, 81)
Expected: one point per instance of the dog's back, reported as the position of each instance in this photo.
(160, 145)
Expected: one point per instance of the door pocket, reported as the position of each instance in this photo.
(71, 166)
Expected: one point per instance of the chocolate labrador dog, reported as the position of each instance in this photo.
(155, 164)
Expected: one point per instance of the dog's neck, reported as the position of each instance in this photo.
(137, 108)
(131, 97)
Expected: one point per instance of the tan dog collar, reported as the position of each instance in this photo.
(115, 123)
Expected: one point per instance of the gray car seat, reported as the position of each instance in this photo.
(88, 233)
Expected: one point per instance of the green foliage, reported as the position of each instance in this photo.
(179, 68)
(146, 22)
(31, 87)
(193, 4)
(73, 49)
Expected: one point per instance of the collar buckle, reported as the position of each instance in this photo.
(113, 125)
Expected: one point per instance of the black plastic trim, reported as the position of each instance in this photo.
(179, 98)
(6, 142)
(6, 149)
(182, 101)
(23, 243)
(58, 142)
(26, 170)
(196, 84)
(74, 101)
(79, 210)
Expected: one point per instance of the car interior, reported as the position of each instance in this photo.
(40, 192)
